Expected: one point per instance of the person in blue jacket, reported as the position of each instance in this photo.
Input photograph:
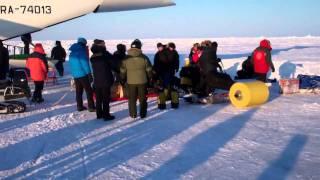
(81, 72)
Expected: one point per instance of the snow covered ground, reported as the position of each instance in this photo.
(278, 140)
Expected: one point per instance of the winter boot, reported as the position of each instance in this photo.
(162, 101)
(174, 99)
(81, 108)
(109, 118)
(92, 109)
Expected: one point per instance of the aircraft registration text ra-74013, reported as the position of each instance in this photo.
(25, 9)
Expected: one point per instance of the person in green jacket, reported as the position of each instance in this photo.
(136, 70)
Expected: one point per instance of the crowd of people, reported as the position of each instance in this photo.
(95, 75)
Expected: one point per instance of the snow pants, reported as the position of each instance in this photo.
(168, 94)
(60, 68)
(137, 92)
(37, 95)
(103, 102)
(83, 83)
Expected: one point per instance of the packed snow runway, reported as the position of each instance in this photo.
(278, 140)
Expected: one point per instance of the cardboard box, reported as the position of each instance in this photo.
(289, 86)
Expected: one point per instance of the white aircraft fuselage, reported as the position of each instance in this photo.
(18, 17)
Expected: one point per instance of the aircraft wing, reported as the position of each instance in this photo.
(18, 17)
(125, 5)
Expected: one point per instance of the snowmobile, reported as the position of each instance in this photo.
(13, 89)
(219, 83)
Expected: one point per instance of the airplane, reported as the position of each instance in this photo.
(20, 17)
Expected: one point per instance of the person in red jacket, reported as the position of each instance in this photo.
(195, 54)
(262, 60)
(38, 65)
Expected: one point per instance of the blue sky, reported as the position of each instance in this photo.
(198, 18)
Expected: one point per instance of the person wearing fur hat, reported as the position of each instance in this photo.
(38, 65)
(101, 62)
(262, 60)
(136, 70)
(81, 72)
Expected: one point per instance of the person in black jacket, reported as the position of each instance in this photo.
(209, 61)
(247, 71)
(159, 58)
(212, 75)
(173, 56)
(103, 79)
(166, 65)
(59, 53)
(118, 57)
(4, 61)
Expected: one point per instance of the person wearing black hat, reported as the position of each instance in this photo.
(136, 70)
(59, 53)
(4, 61)
(159, 57)
(173, 56)
(101, 62)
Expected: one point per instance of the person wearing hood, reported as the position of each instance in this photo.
(38, 65)
(59, 53)
(103, 78)
(262, 60)
(136, 70)
(4, 61)
(81, 72)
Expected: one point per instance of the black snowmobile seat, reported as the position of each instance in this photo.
(219, 81)
(19, 77)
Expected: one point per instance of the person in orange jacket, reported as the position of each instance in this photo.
(262, 60)
(38, 65)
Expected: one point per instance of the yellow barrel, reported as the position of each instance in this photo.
(249, 94)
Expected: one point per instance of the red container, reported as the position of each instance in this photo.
(289, 86)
